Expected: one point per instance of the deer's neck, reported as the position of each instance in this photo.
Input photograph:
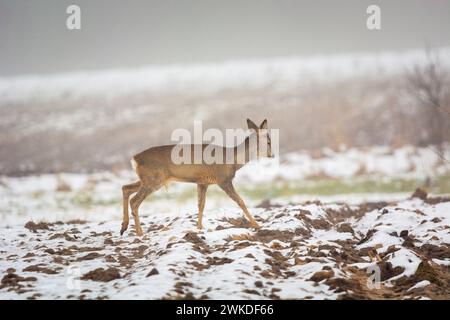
(245, 152)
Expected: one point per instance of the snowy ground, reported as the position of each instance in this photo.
(302, 251)
(59, 234)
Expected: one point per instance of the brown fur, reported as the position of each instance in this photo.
(155, 169)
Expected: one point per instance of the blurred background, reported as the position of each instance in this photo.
(361, 112)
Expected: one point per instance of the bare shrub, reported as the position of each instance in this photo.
(429, 84)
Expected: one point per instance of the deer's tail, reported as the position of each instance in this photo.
(133, 164)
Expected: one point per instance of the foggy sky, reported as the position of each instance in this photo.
(117, 34)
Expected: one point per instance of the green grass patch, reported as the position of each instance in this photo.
(327, 187)
(285, 189)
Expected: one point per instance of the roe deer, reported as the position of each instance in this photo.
(156, 168)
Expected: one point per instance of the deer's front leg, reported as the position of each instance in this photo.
(231, 192)
(201, 190)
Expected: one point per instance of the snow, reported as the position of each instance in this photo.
(420, 284)
(300, 238)
(378, 161)
(236, 250)
(407, 259)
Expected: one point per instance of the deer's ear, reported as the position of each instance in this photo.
(263, 124)
(251, 124)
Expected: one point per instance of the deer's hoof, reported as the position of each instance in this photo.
(255, 225)
(139, 233)
(199, 227)
(123, 229)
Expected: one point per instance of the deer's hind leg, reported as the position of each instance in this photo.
(127, 191)
(147, 187)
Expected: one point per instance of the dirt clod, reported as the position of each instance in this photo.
(152, 272)
(419, 193)
(90, 256)
(426, 272)
(322, 275)
(388, 271)
(39, 268)
(34, 227)
(102, 275)
(14, 280)
(345, 227)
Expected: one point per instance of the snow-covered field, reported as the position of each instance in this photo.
(59, 234)
(302, 251)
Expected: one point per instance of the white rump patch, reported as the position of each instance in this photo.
(133, 164)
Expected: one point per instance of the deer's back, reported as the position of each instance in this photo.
(158, 160)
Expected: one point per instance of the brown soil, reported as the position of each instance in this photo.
(102, 275)
(282, 255)
(39, 268)
(14, 281)
(34, 227)
(90, 256)
(153, 272)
